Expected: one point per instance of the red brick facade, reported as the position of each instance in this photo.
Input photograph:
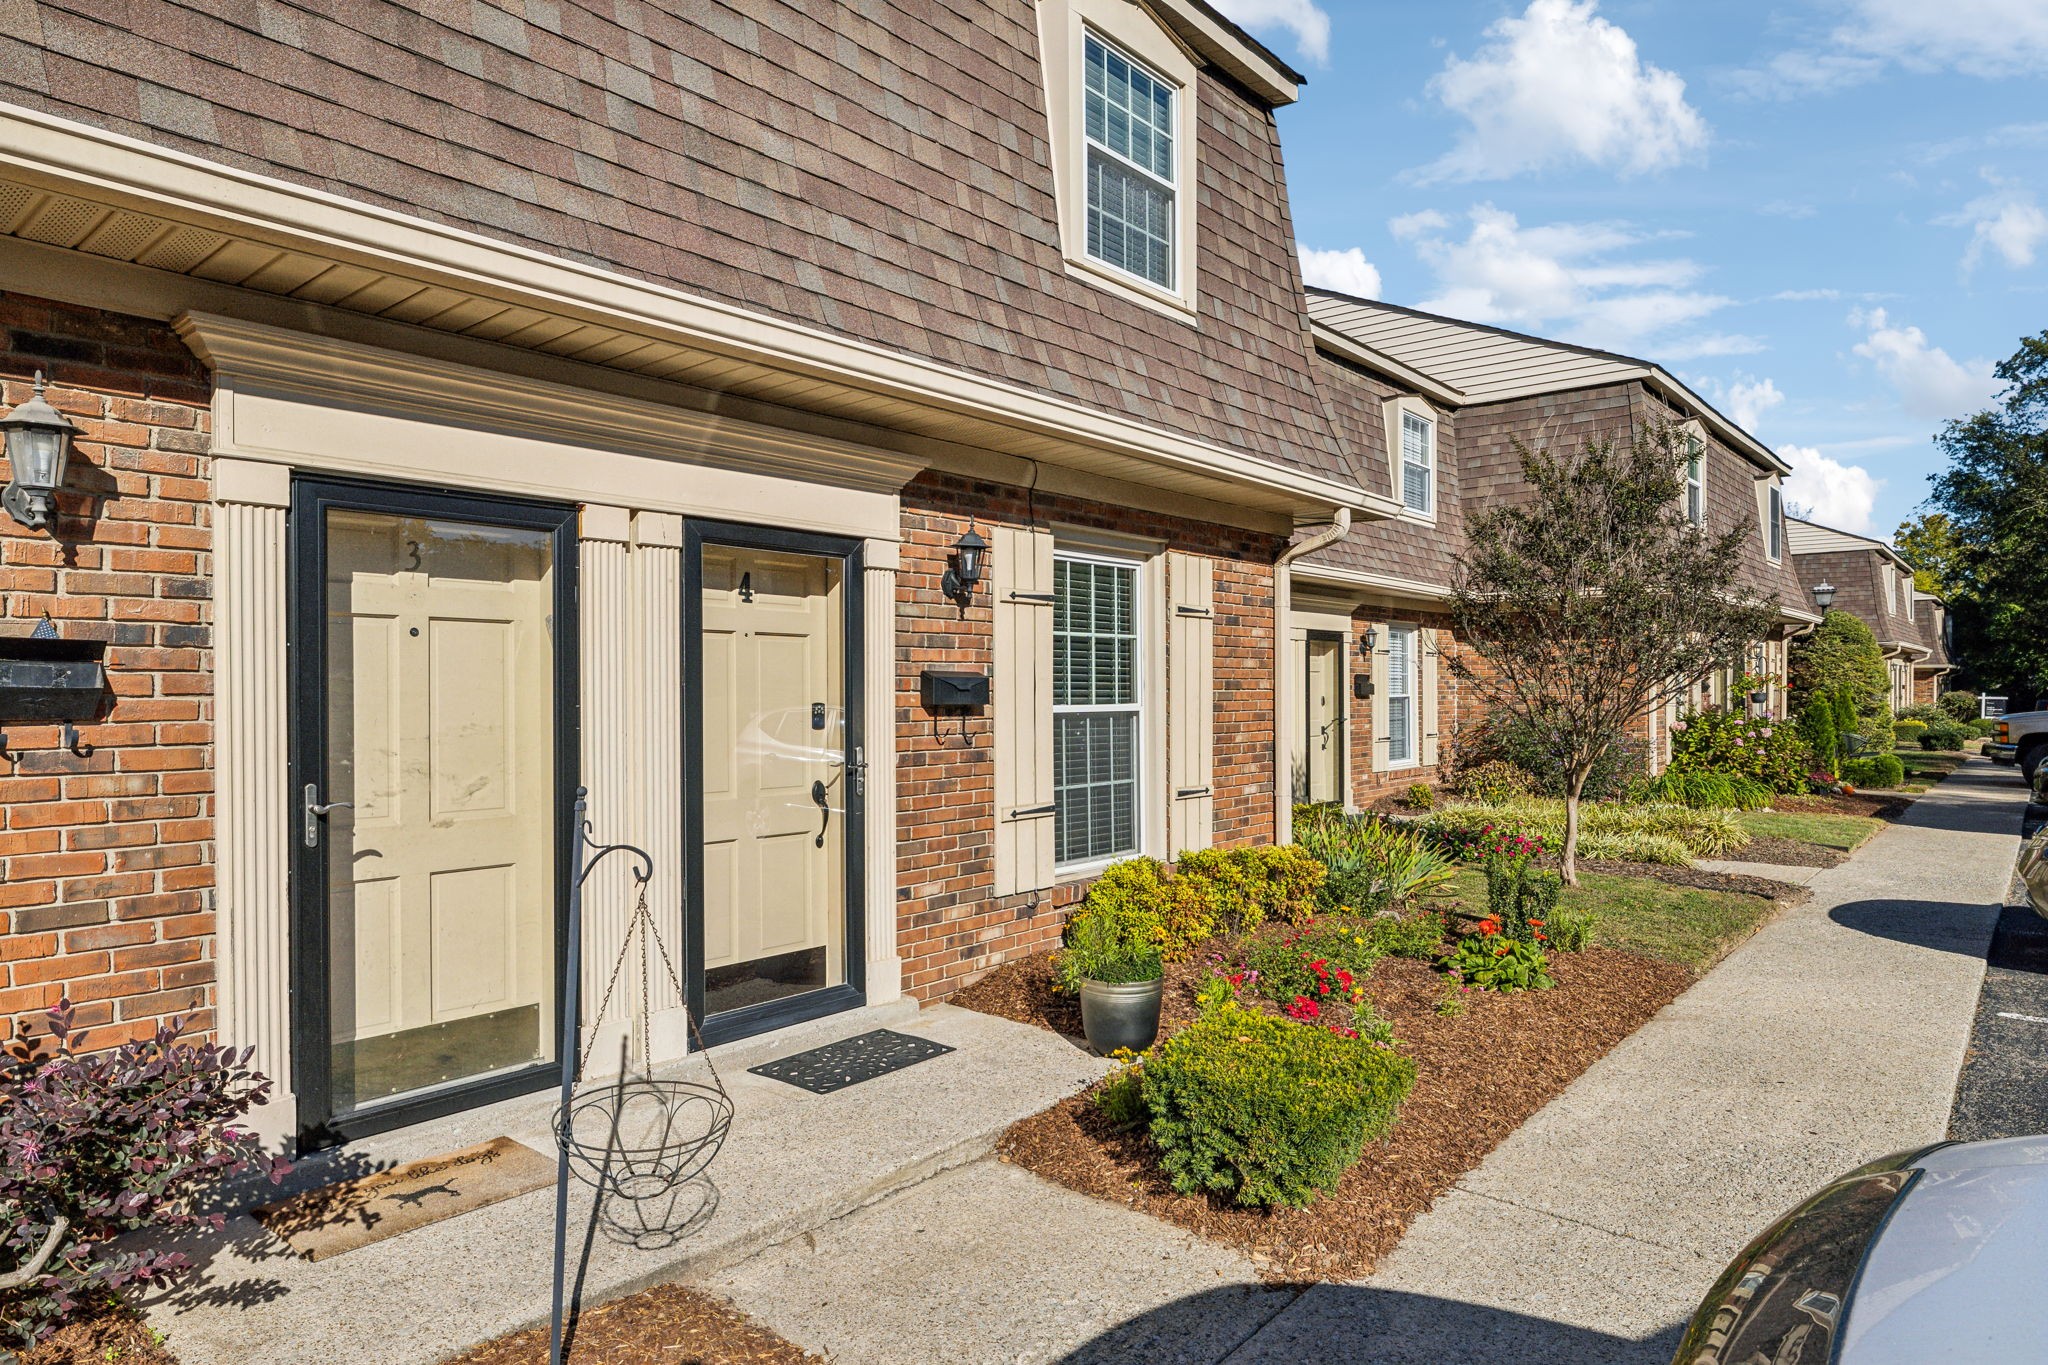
(949, 928)
(106, 858)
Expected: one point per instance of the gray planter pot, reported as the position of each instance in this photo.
(1121, 1015)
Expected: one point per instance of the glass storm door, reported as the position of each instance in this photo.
(1323, 744)
(777, 774)
(427, 800)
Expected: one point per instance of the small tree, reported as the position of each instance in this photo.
(1841, 653)
(1844, 703)
(1817, 728)
(1961, 706)
(1596, 600)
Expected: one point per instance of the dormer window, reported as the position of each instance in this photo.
(1418, 463)
(1695, 480)
(1774, 534)
(1128, 120)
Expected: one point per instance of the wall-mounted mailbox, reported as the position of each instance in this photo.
(45, 680)
(1361, 686)
(954, 689)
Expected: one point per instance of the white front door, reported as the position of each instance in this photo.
(1323, 743)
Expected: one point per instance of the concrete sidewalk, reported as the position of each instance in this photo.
(1588, 1236)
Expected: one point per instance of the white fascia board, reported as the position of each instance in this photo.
(1323, 575)
(65, 156)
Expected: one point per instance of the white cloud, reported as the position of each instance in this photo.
(1830, 492)
(2007, 222)
(1929, 382)
(1745, 399)
(1346, 271)
(1560, 85)
(1787, 208)
(1569, 280)
(1309, 25)
(1987, 38)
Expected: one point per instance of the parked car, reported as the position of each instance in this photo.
(2022, 738)
(1936, 1254)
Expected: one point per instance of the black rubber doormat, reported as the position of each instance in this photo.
(835, 1066)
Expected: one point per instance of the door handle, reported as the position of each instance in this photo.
(825, 805)
(315, 809)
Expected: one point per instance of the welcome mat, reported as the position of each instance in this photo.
(835, 1066)
(354, 1213)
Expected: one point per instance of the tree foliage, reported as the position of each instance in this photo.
(1595, 600)
(1841, 661)
(1995, 496)
(1930, 545)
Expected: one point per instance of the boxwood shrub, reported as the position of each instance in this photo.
(1877, 772)
(1268, 1111)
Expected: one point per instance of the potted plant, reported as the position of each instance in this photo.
(1120, 982)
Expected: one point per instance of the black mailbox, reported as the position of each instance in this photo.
(1361, 686)
(954, 689)
(51, 679)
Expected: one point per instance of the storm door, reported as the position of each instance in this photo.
(433, 640)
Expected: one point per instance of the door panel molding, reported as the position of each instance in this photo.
(307, 647)
(851, 991)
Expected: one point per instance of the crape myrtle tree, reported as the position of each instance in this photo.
(1595, 600)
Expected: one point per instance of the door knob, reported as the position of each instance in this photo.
(315, 809)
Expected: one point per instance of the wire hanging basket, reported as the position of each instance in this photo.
(638, 1136)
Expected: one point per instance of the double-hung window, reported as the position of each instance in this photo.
(1402, 668)
(1129, 122)
(1098, 733)
(1418, 463)
(1696, 481)
(1776, 531)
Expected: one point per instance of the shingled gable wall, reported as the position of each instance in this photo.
(106, 857)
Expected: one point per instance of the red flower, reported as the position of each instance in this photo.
(1304, 1008)
(1344, 977)
(1543, 938)
(1500, 952)
(1320, 966)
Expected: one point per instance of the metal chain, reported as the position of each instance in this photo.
(643, 923)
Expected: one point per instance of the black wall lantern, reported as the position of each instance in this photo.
(969, 553)
(38, 447)
(1823, 594)
(1368, 640)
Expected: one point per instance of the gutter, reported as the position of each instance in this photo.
(1283, 691)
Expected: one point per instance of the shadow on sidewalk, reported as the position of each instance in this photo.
(1945, 926)
(1360, 1323)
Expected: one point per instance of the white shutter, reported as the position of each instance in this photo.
(1377, 745)
(1191, 703)
(1020, 575)
(1425, 699)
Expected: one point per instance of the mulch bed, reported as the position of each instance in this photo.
(116, 1336)
(669, 1323)
(1741, 883)
(1479, 1076)
(1769, 848)
(1877, 805)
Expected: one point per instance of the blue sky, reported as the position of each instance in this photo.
(1829, 217)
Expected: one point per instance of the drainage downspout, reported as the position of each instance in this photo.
(1285, 694)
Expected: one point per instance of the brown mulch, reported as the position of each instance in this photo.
(1741, 883)
(668, 1323)
(1023, 990)
(1479, 1076)
(1769, 848)
(115, 1336)
(1877, 805)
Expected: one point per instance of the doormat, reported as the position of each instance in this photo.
(835, 1066)
(354, 1213)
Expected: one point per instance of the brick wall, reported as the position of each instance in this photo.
(950, 929)
(106, 860)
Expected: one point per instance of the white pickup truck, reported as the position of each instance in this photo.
(2022, 738)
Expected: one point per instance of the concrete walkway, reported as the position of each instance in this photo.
(1831, 1037)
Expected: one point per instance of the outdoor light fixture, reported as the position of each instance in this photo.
(1823, 594)
(38, 445)
(1368, 640)
(968, 553)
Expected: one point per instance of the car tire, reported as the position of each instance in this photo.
(2030, 761)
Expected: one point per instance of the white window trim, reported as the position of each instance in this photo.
(1395, 409)
(1148, 559)
(1696, 437)
(1774, 531)
(1395, 629)
(1063, 26)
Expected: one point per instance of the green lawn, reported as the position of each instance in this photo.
(1682, 924)
(1844, 832)
(1925, 767)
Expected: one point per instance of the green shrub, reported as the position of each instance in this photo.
(1268, 1111)
(1960, 706)
(1817, 728)
(1109, 939)
(1240, 889)
(1519, 895)
(1570, 928)
(1371, 864)
(1841, 655)
(1330, 957)
(1508, 739)
(1983, 728)
(1906, 731)
(1761, 748)
(1843, 699)
(1944, 735)
(1632, 833)
(1925, 711)
(1716, 791)
(1417, 934)
(1878, 772)
(1493, 780)
(1495, 962)
(1421, 796)
(1122, 1097)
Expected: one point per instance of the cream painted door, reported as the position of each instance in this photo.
(1323, 743)
(773, 776)
(440, 739)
